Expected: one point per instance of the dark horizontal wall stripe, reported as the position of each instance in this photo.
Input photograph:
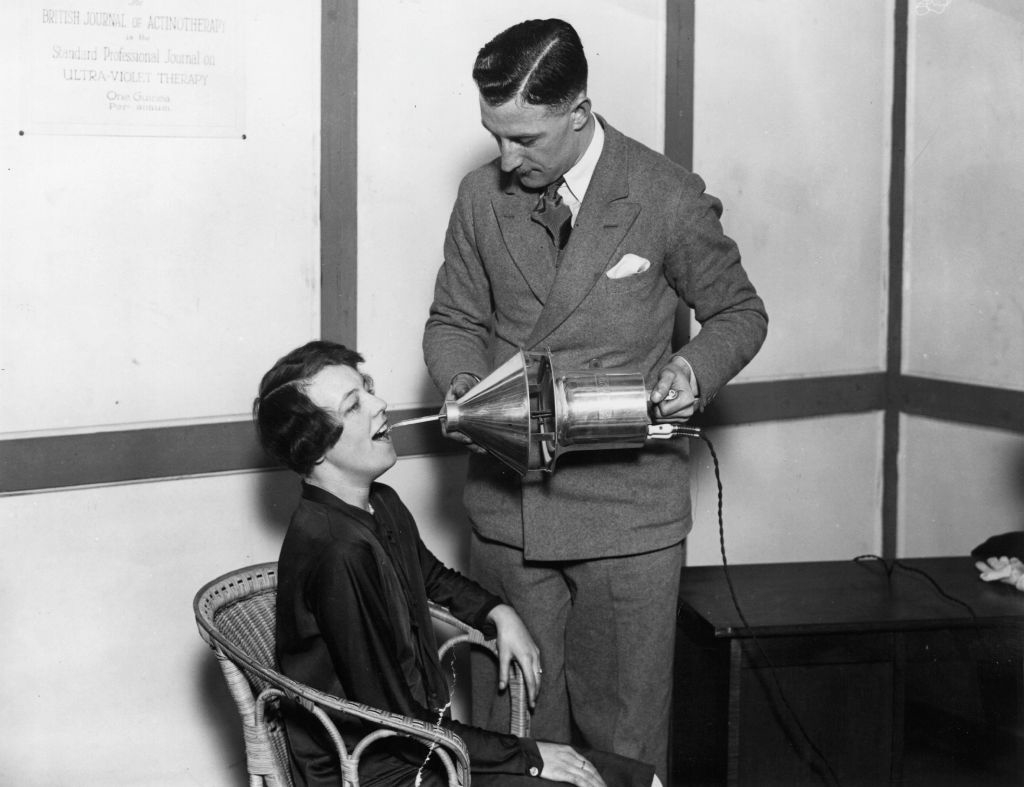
(129, 455)
(28, 464)
(998, 408)
(38, 463)
(781, 400)
(61, 461)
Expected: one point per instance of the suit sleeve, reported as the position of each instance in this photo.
(706, 270)
(458, 327)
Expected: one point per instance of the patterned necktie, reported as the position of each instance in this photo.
(554, 214)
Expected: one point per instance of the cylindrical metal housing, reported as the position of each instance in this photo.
(600, 409)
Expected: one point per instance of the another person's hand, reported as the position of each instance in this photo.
(515, 644)
(1002, 569)
(460, 385)
(680, 406)
(564, 764)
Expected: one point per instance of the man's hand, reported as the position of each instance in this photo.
(515, 644)
(461, 383)
(680, 406)
(564, 764)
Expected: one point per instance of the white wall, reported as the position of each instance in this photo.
(791, 131)
(162, 271)
(964, 312)
(959, 485)
(964, 318)
(105, 678)
(808, 489)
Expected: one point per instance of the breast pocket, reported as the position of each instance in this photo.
(636, 285)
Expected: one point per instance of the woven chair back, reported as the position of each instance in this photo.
(249, 624)
(236, 615)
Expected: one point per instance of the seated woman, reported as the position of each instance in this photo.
(353, 583)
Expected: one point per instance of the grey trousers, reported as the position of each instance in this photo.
(606, 632)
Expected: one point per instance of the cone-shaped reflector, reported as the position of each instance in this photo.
(495, 414)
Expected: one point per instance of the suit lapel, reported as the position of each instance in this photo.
(527, 243)
(604, 219)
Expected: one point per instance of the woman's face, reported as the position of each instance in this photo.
(364, 450)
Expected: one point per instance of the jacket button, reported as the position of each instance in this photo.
(534, 771)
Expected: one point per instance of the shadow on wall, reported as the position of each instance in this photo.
(220, 715)
(428, 394)
(1011, 543)
(476, 155)
(278, 493)
(1016, 485)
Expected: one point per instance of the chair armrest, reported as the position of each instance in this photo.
(519, 712)
(449, 745)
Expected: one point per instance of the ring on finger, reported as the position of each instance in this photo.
(672, 394)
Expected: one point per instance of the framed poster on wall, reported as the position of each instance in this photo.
(134, 68)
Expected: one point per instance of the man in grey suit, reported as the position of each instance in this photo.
(589, 555)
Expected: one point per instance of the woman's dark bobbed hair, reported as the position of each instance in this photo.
(291, 428)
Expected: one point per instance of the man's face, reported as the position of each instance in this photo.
(537, 143)
(364, 450)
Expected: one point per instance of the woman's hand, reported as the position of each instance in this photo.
(564, 764)
(515, 644)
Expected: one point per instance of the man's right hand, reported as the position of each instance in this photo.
(460, 385)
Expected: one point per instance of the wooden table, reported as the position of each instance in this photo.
(848, 673)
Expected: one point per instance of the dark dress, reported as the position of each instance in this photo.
(353, 621)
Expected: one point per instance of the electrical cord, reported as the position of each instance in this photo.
(892, 565)
(418, 781)
(823, 767)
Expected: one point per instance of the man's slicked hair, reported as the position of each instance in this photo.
(291, 427)
(539, 61)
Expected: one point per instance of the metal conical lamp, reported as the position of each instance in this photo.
(527, 414)
(495, 414)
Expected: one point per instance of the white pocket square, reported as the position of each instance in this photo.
(629, 265)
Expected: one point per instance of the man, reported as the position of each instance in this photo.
(590, 555)
(353, 583)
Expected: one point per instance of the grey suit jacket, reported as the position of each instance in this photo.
(498, 291)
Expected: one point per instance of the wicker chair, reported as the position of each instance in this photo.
(235, 614)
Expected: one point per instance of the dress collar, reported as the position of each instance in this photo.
(320, 495)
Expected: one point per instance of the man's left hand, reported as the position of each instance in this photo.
(676, 376)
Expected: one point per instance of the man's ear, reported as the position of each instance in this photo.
(581, 112)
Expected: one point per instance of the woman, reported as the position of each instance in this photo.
(353, 583)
